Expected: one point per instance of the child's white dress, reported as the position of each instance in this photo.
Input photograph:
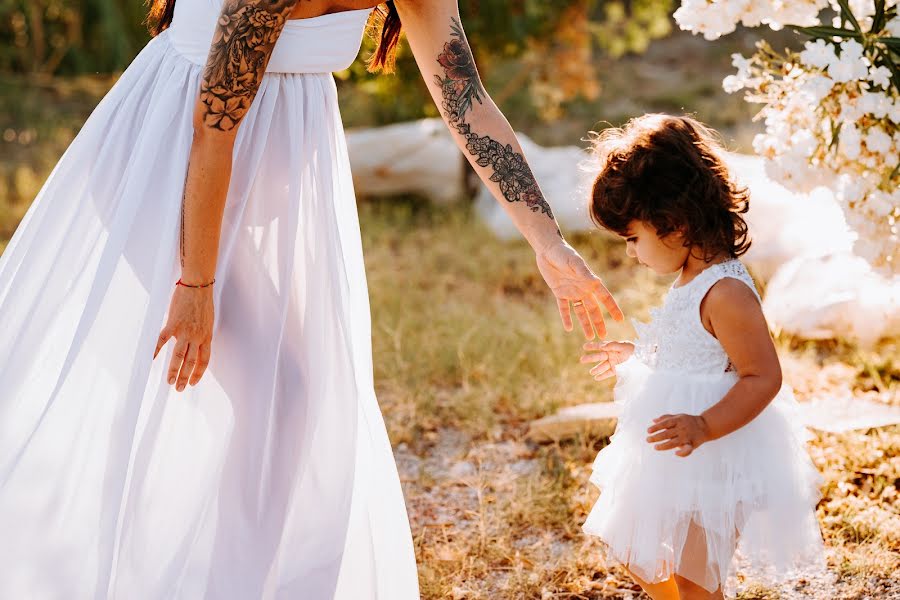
(758, 480)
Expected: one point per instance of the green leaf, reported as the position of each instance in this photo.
(891, 42)
(878, 20)
(823, 31)
(847, 15)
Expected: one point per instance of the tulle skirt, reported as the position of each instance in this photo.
(753, 491)
(273, 478)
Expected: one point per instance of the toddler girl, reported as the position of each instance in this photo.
(708, 456)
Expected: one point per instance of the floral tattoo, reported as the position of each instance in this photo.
(460, 88)
(244, 38)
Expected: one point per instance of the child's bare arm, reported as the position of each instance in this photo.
(732, 313)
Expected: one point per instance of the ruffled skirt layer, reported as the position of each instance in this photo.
(753, 491)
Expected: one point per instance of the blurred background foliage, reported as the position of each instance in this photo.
(557, 69)
(544, 48)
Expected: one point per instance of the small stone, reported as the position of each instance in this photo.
(595, 420)
(845, 413)
(461, 470)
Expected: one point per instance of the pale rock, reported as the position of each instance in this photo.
(597, 420)
(830, 297)
(418, 157)
(846, 413)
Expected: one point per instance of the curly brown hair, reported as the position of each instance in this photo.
(667, 171)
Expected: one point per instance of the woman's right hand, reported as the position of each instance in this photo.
(190, 322)
(607, 355)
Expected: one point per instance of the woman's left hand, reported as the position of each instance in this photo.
(571, 280)
(685, 432)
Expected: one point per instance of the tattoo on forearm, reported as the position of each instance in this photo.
(244, 38)
(460, 87)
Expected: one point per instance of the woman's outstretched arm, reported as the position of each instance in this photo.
(242, 44)
(439, 44)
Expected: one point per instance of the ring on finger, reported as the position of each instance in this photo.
(577, 303)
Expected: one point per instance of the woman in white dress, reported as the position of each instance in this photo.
(187, 404)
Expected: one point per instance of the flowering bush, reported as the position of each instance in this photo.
(832, 110)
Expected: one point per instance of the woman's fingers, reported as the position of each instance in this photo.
(161, 341)
(595, 288)
(596, 315)
(565, 313)
(582, 314)
(187, 367)
(685, 450)
(202, 363)
(608, 301)
(178, 355)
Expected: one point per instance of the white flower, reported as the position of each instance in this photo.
(880, 76)
(732, 84)
(818, 53)
(850, 189)
(831, 117)
(851, 64)
(741, 64)
(894, 111)
(876, 104)
(804, 142)
(851, 109)
(849, 141)
(878, 141)
(817, 87)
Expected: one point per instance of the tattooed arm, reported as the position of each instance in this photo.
(243, 41)
(445, 59)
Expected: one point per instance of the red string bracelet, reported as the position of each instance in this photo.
(179, 282)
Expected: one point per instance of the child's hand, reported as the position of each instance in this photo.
(607, 355)
(685, 432)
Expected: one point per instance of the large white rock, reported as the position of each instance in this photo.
(836, 296)
(418, 157)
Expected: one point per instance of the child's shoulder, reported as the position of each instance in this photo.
(730, 281)
(731, 292)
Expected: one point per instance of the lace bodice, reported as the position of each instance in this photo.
(675, 337)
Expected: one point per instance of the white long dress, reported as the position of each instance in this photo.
(273, 478)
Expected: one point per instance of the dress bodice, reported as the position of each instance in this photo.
(321, 44)
(675, 338)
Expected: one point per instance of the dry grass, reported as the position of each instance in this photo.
(469, 349)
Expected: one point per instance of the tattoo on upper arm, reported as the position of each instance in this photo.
(244, 38)
(460, 88)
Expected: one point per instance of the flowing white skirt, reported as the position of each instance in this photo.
(273, 478)
(753, 491)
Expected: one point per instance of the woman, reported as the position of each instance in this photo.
(218, 160)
